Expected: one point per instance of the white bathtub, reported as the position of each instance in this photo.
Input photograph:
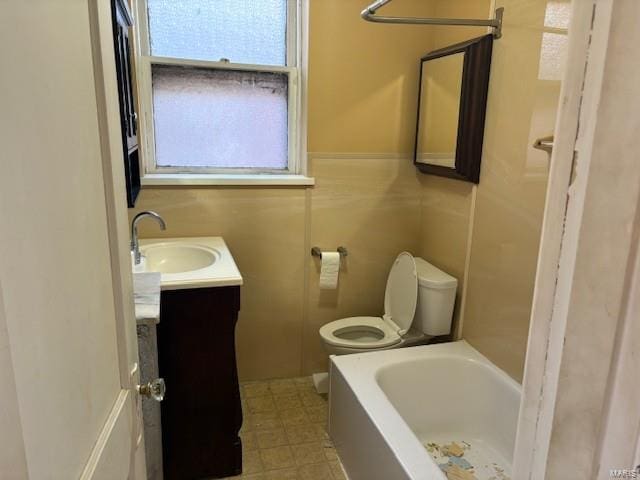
(386, 407)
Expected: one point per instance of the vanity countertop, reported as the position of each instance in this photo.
(146, 293)
(190, 262)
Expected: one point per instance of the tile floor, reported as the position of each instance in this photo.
(284, 432)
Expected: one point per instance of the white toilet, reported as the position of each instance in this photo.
(418, 305)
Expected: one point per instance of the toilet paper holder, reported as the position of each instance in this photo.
(316, 252)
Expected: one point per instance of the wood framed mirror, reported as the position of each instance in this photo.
(452, 104)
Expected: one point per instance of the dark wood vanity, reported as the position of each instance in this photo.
(201, 412)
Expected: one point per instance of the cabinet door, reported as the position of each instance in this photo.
(201, 412)
(122, 22)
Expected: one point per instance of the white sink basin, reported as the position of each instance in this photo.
(189, 262)
(178, 258)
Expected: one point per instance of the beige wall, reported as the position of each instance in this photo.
(363, 77)
(506, 216)
(362, 93)
(510, 199)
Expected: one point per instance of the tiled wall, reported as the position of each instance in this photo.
(494, 229)
(505, 211)
(369, 205)
(444, 229)
(265, 230)
(522, 106)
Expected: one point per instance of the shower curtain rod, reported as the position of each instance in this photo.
(369, 14)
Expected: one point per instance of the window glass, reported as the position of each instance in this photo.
(243, 31)
(220, 118)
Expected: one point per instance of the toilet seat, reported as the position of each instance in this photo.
(360, 332)
(370, 333)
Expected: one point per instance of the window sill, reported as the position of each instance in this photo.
(195, 179)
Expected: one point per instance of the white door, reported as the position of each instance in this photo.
(68, 355)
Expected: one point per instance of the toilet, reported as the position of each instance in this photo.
(418, 305)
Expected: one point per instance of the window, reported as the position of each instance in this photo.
(220, 87)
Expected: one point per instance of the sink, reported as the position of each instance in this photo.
(190, 262)
(178, 258)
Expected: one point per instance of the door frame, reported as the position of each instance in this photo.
(542, 356)
(556, 335)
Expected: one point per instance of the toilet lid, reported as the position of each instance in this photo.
(401, 295)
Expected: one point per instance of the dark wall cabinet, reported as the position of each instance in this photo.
(122, 22)
(201, 412)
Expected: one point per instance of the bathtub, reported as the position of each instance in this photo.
(393, 413)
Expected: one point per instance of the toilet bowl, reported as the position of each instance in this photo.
(418, 305)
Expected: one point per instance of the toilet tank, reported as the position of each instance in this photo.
(436, 298)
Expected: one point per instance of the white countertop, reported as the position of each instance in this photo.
(146, 294)
(223, 272)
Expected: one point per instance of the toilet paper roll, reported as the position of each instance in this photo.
(329, 270)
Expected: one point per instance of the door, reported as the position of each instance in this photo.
(68, 352)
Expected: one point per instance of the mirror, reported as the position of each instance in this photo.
(451, 109)
(440, 108)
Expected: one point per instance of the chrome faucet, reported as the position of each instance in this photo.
(135, 247)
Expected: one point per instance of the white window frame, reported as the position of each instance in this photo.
(296, 70)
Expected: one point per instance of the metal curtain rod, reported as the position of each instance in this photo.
(369, 14)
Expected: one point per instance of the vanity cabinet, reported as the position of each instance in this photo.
(201, 411)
